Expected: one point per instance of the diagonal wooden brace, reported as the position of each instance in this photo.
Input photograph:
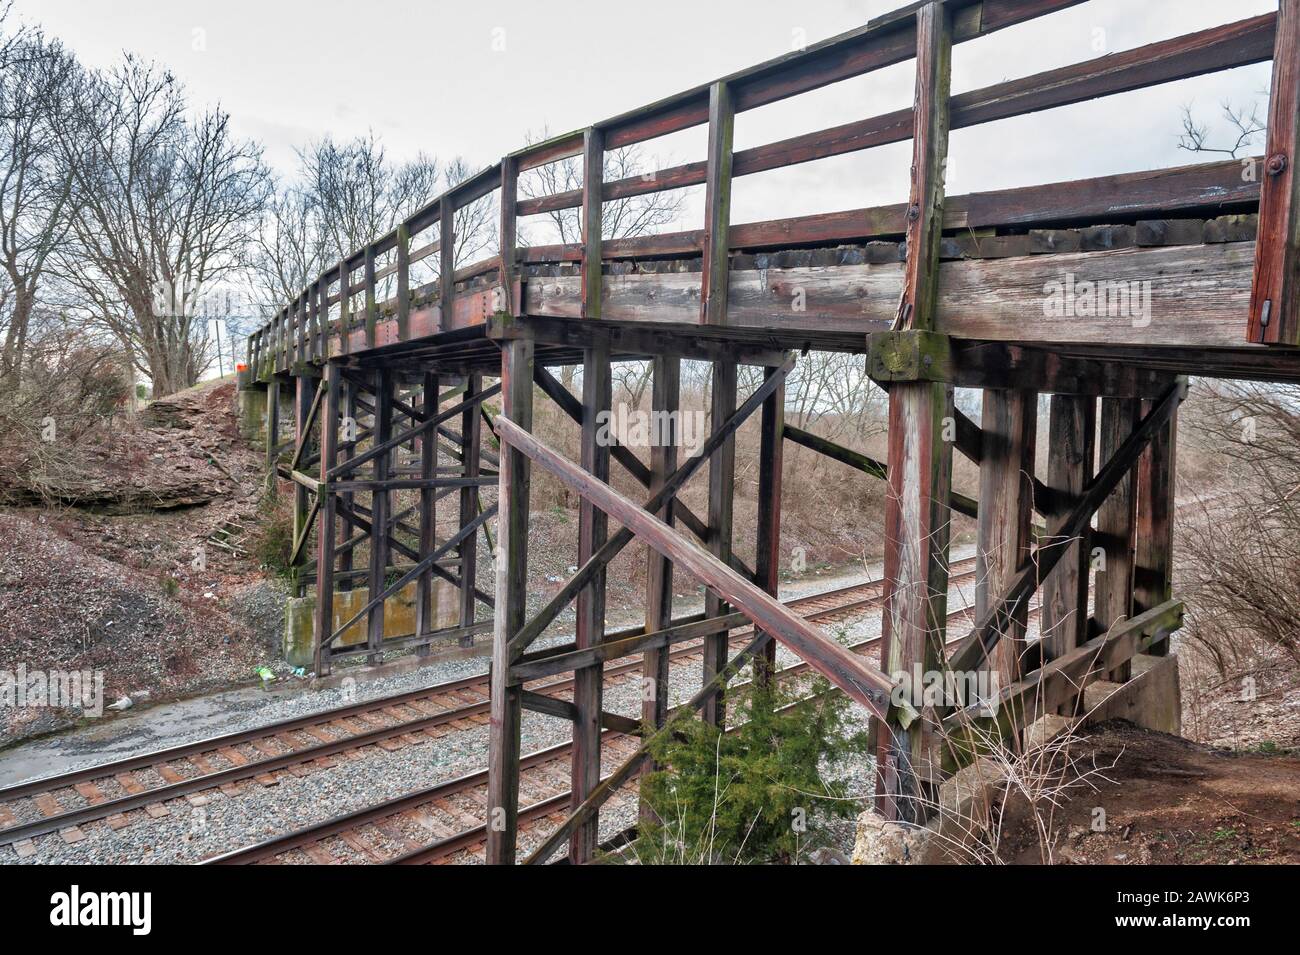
(845, 669)
(533, 629)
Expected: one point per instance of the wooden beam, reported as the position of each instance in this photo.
(1116, 522)
(380, 502)
(920, 462)
(665, 398)
(593, 530)
(722, 489)
(470, 505)
(593, 176)
(425, 619)
(1009, 424)
(674, 482)
(1071, 461)
(1275, 295)
(325, 529)
(511, 607)
(767, 546)
(1154, 529)
(717, 207)
(845, 669)
(446, 261)
(975, 648)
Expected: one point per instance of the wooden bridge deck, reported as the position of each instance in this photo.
(1111, 288)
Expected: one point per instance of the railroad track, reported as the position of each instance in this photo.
(446, 823)
(300, 745)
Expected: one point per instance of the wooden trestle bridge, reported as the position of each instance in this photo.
(941, 292)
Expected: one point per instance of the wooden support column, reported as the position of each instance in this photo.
(345, 449)
(1154, 530)
(665, 398)
(511, 602)
(424, 616)
(325, 530)
(379, 512)
(272, 437)
(1006, 510)
(1275, 296)
(1113, 595)
(470, 449)
(304, 393)
(1071, 463)
(767, 554)
(345, 303)
(593, 530)
(593, 178)
(920, 461)
(722, 489)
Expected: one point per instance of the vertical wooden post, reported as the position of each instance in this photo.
(511, 598)
(508, 227)
(920, 461)
(665, 399)
(403, 293)
(346, 451)
(722, 488)
(447, 261)
(379, 512)
(273, 437)
(345, 345)
(329, 438)
(1275, 296)
(1071, 463)
(593, 179)
(1154, 531)
(593, 527)
(1009, 424)
(1113, 600)
(303, 396)
(372, 308)
(767, 555)
(424, 617)
(717, 206)
(470, 447)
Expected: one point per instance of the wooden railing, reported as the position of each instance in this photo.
(339, 312)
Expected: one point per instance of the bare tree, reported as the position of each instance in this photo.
(1244, 128)
(35, 183)
(168, 205)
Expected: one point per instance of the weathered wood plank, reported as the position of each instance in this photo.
(1198, 295)
(511, 607)
(1071, 460)
(1008, 422)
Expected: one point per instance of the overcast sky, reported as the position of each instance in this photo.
(472, 78)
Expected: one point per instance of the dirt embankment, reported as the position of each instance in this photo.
(122, 574)
(1165, 800)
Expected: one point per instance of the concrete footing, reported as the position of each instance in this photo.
(399, 618)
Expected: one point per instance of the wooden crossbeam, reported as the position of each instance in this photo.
(406, 436)
(534, 628)
(845, 669)
(974, 649)
(425, 563)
